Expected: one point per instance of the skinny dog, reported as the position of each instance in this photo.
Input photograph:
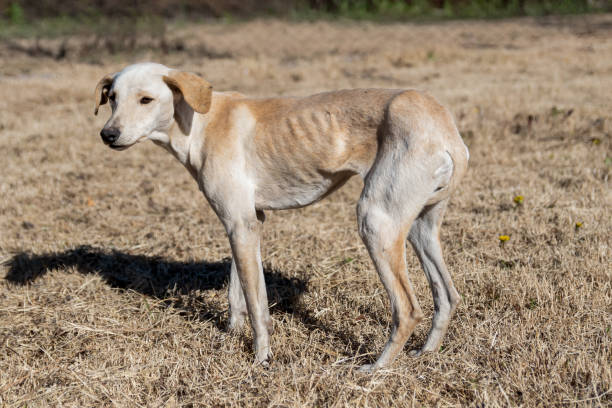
(249, 155)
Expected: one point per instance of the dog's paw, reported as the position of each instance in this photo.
(235, 323)
(263, 354)
(419, 352)
(367, 369)
(264, 361)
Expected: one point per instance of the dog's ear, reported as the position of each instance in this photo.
(195, 90)
(101, 93)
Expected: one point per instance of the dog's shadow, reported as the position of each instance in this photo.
(156, 277)
(174, 283)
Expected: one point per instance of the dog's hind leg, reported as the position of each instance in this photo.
(425, 239)
(385, 213)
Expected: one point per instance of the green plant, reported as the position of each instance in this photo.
(15, 13)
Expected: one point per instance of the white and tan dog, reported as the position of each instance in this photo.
(249, 155)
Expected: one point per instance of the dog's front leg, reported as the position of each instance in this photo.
(235, 297)
(244, 235)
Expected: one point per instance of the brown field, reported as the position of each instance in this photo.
(115, 268)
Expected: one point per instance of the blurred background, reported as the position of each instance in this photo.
(17, 11)
(116, 26)
(60, 14)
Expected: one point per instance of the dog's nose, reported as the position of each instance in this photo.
(110, 135)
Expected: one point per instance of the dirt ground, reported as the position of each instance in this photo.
(115, 268)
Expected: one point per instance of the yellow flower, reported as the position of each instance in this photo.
(519, 199)
(578, 224)
(504, 238)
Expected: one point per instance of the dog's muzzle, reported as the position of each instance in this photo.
(110, 135)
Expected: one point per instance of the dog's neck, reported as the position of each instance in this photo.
(185, 136)
(179, 137)
(179, 142)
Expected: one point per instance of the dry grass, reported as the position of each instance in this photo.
(116, 269)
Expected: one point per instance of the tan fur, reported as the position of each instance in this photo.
(254, 154)
(196, 91)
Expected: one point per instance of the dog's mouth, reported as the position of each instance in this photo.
(123, 147)
(118, 148)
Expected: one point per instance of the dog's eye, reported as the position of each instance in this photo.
(145, 99)
(112, 97)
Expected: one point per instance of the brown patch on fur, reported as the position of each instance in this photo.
(196, 91)
(101, 92)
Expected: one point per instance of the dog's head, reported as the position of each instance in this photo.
(145, 100)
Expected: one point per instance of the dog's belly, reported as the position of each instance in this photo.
(293, 191)
(295, 172)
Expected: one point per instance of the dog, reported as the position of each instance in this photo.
(249, 155)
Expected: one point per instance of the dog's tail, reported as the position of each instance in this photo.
(459, 154)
